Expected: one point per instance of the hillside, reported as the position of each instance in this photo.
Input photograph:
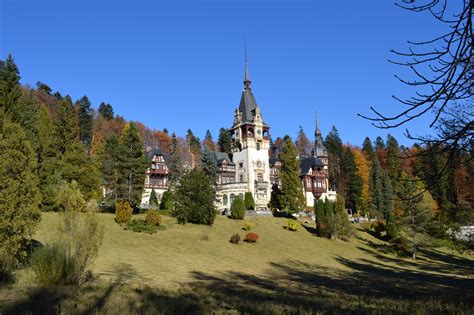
(194, 268)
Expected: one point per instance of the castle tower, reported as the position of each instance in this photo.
(250, 144)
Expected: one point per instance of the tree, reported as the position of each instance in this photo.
(153, 202)
(442, 80)
(175, 163)
(167, 201)
(224, 141)
(416, 212)
(19, 194)
(110, 159)
(276, 147)
(375, 188)
(303, 145)
(209, 166)
(333, 144)
(24, 113)
(194, 145)
(48, 159)
(237, 209)
(67, 125)
(249, 201)
(85, 120)
(352, 180)
(40, 86)
(363, 171)
(132, 165)
(393, 157)
(368, 149)
(106, 110)
(10, 89)
(208, 142)
(275, 197)
(291, 198)
(194, 199)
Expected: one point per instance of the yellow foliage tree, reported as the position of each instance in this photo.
(363, 170)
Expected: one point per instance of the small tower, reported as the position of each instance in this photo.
(250, 144)
(319, 149)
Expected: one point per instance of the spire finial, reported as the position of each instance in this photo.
(318, 132)
(247, 77)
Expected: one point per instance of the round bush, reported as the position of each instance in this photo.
(237, 210)
(123, 211)
(153, 218)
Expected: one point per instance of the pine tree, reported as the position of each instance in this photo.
(194, 145)
(10, 89)
(209, 166)
(375, 188)
(291, 198)
(249, 201)
(393, 157)
(106, 111)
(153, 202)
(175, 164)
(110, 158)
(194, 199)
(67, 125)
(19, 194)
(333, 144)
(354, 181)
(132, 165)
(368, 149)
(24, 113)
(387, 195)
(85, 120)
(237, 209)
(48, 159)
(224, 141)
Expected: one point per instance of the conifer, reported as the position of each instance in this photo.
(291, 198)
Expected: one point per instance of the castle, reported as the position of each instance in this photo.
(248, 167)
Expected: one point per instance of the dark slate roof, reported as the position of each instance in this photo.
(272, 161)
(154, 152)
(319, 148)
(247, 105)
(307, 163)
(219, 157)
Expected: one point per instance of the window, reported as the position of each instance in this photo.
(241, 164)
(241, 178)
(224, 199)
(258, 146)
(232, 197)
(241, 196)
(260, 177)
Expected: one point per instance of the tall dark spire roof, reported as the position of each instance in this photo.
(247, 101)
(319, 148)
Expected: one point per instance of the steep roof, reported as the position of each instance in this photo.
(307, 163)
(154, 152)
(219, 157)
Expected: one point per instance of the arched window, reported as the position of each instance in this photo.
(224, 199)
(241, 196)
(260, 177)
(232, 197)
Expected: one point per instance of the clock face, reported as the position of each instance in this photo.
(259, 131)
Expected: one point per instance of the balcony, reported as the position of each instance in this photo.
(262, 185)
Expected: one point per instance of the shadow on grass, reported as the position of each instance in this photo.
(386, 285)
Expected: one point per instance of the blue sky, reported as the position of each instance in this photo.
(180, 64)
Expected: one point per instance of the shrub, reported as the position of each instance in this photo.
(66, 258)
(248, 226)
(69, 197)
(378, 227)
(249, 202)
(251, 237)
(123, 211)
(292, 225)
(153, 218)
(166, 201)
(52, 265)
(153, 201)
(139, 225)
(237, 209)
(235, 239)
(195, 197)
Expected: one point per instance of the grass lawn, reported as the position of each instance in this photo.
(195, 269)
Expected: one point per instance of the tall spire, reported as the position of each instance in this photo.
(317, 132)
(247, 77)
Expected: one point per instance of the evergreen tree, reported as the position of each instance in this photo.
(48, 159)
(40, 86)
(237, 209)
(368, 149)
(224, 141)
(106, 111)
(209, 166)
(354, 181)
(291, 198)
(167, 201)
(209, 142)
(10, 89)
(85, 120)
(333, 144)
(19, 194)
(275, 197)
(194, 145)
(393, 157)
(303, 145)
(276, 147)
(77, 166)
(175, 164)
(66, 125)
(194, 199)
(375, 188)
(25, 114)
(153, 202)
(132, 165)
(111, 157)
(249, 201)
(387, 195)
(380, 152)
